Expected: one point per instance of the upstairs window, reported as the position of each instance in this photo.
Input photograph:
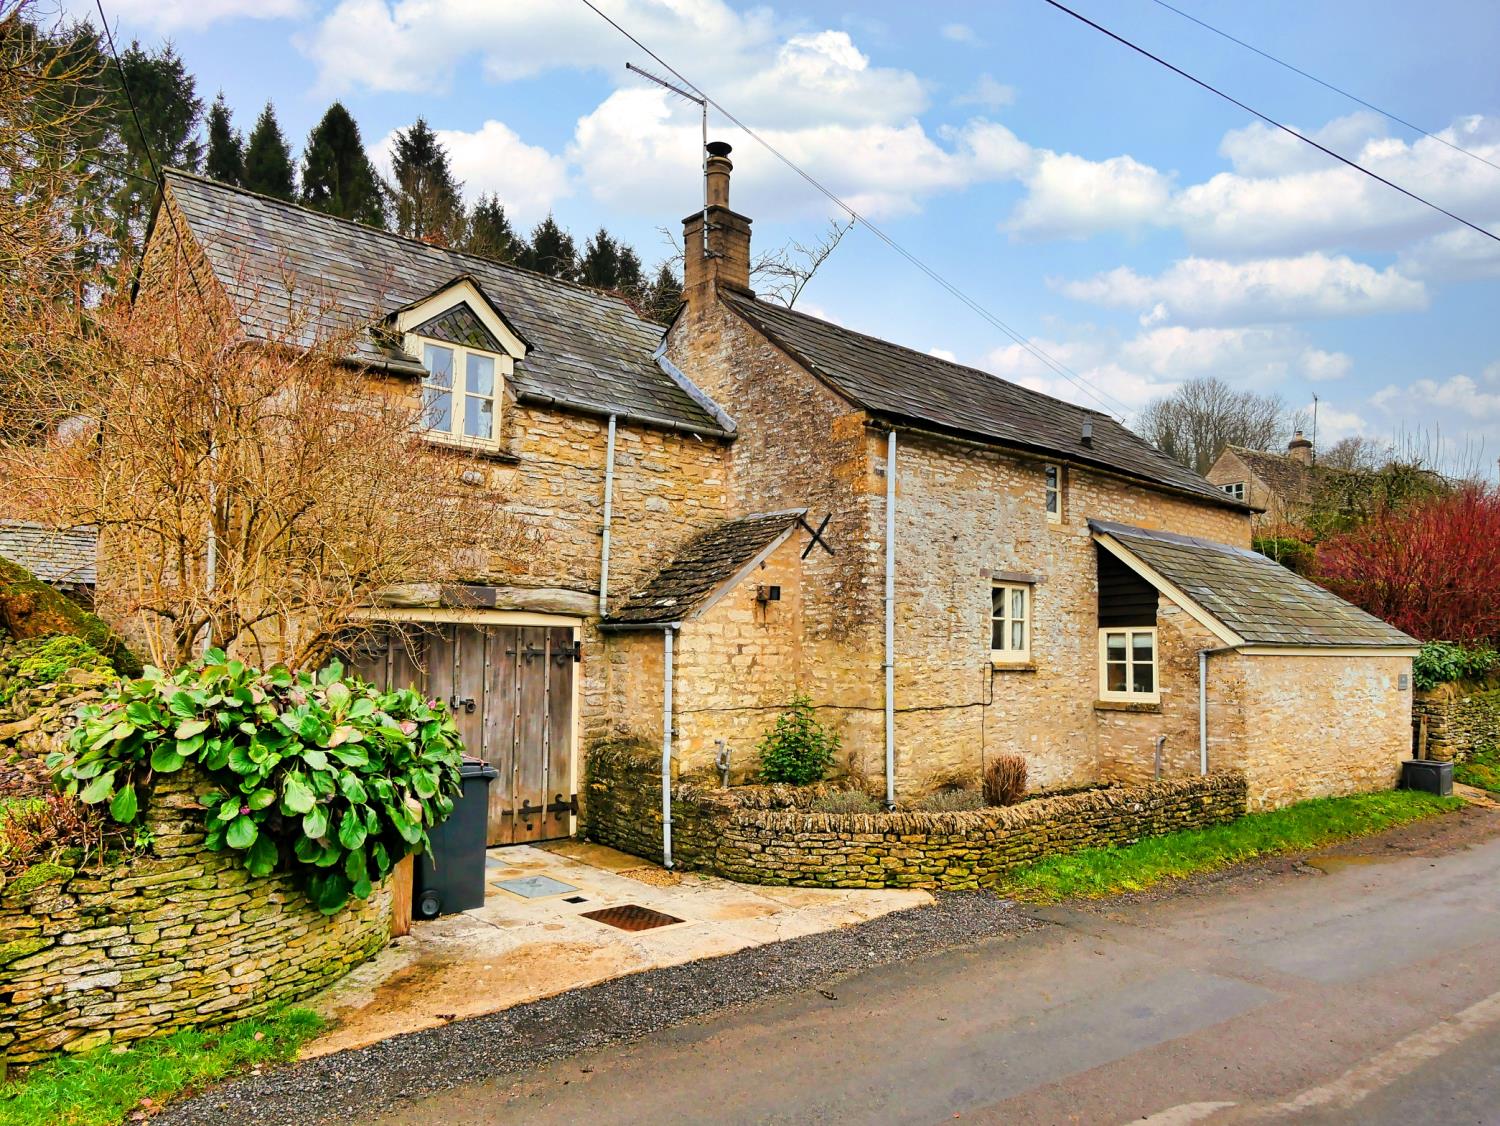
(1236, 489)
(1127, 665)
(1010, 622)
(1054, 493)
(459, 393)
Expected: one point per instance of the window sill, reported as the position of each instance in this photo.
(1011, 666)
(483, 453)
(1141, 707)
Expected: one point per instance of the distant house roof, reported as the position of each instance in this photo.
(281, 263)
(1256, 598)
(66, 557)
(904, 384)
(704, 565)
(1290, 479)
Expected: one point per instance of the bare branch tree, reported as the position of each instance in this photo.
(781, 274)
(1194, 423)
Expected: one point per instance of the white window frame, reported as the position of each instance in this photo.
(459, 393)
(1130, 696)
(1236, 489)
(1052, 492)
(1009, 655)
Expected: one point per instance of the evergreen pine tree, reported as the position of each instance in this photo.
(629, 279)
(428, 202)
(337, 176)
(551, 251)
(225, 161)
(268, 159)
(663, 295)
(600, 266)
(490, 234)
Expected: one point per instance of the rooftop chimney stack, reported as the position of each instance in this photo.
(726, 259)
(1300, 449)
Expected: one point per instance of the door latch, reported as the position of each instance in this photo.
(466, 703)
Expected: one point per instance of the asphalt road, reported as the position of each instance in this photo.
(1364, 987)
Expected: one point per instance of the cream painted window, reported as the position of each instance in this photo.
(1127, 665)
(1054, 494)
(460, 394)
(1010, 622)
(1236, 489)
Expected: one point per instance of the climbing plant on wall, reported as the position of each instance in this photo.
(321, 775)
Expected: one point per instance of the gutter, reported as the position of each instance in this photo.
(890, 620)
(1203, 656)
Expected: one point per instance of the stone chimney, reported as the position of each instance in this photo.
(1300, 449)
(726, 261)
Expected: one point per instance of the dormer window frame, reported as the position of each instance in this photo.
(471, 369)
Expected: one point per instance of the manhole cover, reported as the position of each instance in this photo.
(535, 887)
(631, 917)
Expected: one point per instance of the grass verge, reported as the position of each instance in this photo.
(1481, 769)
(106, 1086)
(1308, 824)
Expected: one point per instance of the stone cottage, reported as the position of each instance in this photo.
(1279, 486)
(751, 503)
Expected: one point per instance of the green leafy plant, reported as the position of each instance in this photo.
(844, 801)
(325, 776)
(1441, 662)
(798, 749)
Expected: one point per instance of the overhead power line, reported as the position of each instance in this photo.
(1326, 85)
(1273, 122)
(1098, 394)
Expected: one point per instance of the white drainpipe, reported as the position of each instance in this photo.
(666, 746)
(609, 497)
(1203, 656)
(890, 619)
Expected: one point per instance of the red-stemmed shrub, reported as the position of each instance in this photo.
(1432, 569)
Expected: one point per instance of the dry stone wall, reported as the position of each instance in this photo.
(179, 936)
(766, 835)
(1461, 719)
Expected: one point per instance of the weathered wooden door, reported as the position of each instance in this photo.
(511, 692)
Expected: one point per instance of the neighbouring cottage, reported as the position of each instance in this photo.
(752, 503)
(1280, 487)
(65, 558)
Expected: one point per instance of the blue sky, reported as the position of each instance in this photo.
(1136, 228)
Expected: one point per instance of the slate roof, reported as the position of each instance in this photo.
(64, 556)
(904, 384)
(279, 262)
(1257, 598)
(703, 565)
(1288, 478)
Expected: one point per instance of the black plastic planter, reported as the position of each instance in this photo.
(1427, 775)
(450, 875)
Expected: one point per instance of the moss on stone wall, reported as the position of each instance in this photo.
(30, 608)
(1462, 718)
(767, 835)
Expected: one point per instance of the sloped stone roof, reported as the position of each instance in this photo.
(1288, 478)
(280, 263)
(900, 383)
(64, 556)
(1256, 597)
(703, 565)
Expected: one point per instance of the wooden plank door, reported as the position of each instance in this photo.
(558, 749)
(499, 737)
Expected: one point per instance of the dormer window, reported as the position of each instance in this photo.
(467, 349)
(462, 406)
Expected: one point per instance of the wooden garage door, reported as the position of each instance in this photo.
(511, 691)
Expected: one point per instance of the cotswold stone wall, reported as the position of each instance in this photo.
(1461, 719)
(180, 936)
(765, 835)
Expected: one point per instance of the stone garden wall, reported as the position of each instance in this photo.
(1461, 719)
(765, 835)
(177, 936)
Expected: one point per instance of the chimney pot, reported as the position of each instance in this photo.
(719, 148)
(1300, 449)
(716, 240)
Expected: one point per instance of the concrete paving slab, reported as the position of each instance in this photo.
(516, 948)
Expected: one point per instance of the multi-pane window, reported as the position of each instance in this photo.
(1236, 489)
(459, 394)
(1127, 665)
(1010, 621)
(1054, 497)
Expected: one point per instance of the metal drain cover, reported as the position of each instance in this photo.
(535, 887)
(631, 917)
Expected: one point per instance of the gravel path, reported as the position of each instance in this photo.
(348, 1086)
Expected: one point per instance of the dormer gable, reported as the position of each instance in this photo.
(460, 308)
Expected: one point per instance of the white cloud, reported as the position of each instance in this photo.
(987, 93)
(1200, 291)
(961, 33)
(1323, 367)
(194, 15)
(1460, 394)
(1072, 197)
(1456, 255)
(943, 354)
(528, 179)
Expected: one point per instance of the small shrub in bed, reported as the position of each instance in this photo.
(950, 801)
(798, 749)
(844, 801)
(1004, 780)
